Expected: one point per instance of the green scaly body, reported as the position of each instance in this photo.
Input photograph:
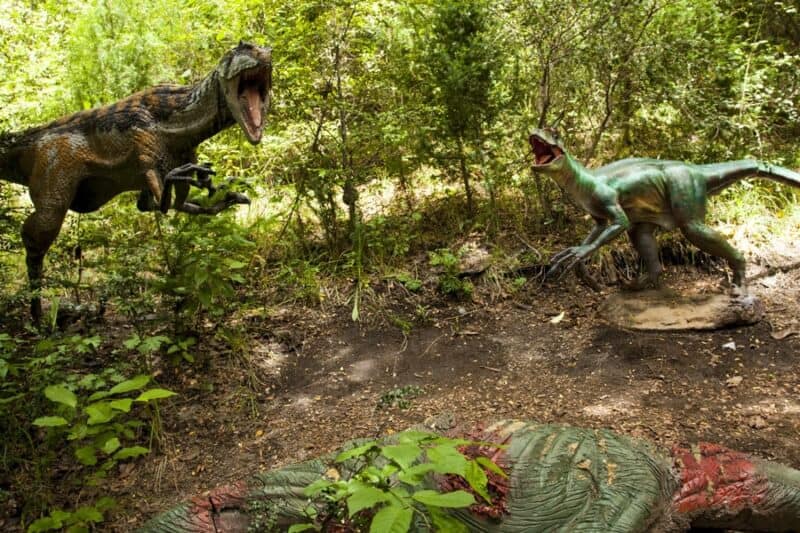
(639, 195)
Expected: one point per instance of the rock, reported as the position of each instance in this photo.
(735, 381)
(665, 310)
(475, 259)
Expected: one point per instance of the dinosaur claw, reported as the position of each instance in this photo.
(236, 198)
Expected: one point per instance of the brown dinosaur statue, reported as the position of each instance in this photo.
(144, 142)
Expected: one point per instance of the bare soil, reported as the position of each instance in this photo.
(313, 378)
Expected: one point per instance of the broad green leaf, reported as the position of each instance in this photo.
(152, 344)
(458, 498)
(50, 421)
(131, 384)
(488, 464)
(77, 528)
(132, 342)
(445, 523)
(61, 394)
(416, 474)
(86, 455)
(392, 518)
(297, 528)
(154, 394)
(127, 453)
(389, 470)
(105, 503)
(99, 413)
(356, 452)
(47, 523)
(413, 436)
(111, 445)
(447, 460)
(99, 395)
(88, 514)
(477, 479)
(402, 454)
(316, 487)
(123, 405)
(365, 498)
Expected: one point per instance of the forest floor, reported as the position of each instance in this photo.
(314, 379)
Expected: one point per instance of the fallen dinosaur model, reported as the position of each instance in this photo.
(560, 479)
(145, 142)
(638, 195)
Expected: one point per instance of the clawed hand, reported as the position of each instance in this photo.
(570, 257)
(232, 198)
(185, 172)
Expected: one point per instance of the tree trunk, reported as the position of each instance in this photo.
(462, 161)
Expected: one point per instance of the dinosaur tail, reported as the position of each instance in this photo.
(722, 175)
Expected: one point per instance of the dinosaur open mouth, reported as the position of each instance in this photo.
(544, 152)
(252, 94)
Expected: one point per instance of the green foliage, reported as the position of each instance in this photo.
(400, 397)
(206, 258)
(100, 420)
(450, 283)
(178, 349)
(301, 278)
(390, 485)
(77, 521)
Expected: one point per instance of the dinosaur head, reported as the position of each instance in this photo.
(548, 149)
(246, 78)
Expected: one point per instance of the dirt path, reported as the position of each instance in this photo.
(318, 380)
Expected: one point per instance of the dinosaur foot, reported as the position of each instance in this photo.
(639, 284)
(739, 291)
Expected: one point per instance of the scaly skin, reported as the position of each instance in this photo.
(638, 195)
(144, 142)
(560, 479)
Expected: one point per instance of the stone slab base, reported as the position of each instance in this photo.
(666, 310)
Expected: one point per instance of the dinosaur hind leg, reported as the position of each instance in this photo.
(38, 232)
(644, 242)
(712, 242)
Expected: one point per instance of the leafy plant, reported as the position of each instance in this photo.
(400, 397)
(392, 485)
(178, 349)
(450, 283)
(9, 368)
(408, 281)
(97, 424)
(207, 258)
(77, 521)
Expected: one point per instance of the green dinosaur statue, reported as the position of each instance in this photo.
(560, 479)
(638, 195)
(144, 142)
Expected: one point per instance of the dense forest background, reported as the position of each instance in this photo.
(398, 129)
(417, 98)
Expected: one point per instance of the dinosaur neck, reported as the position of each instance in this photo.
(573, 177)
(203, 115)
